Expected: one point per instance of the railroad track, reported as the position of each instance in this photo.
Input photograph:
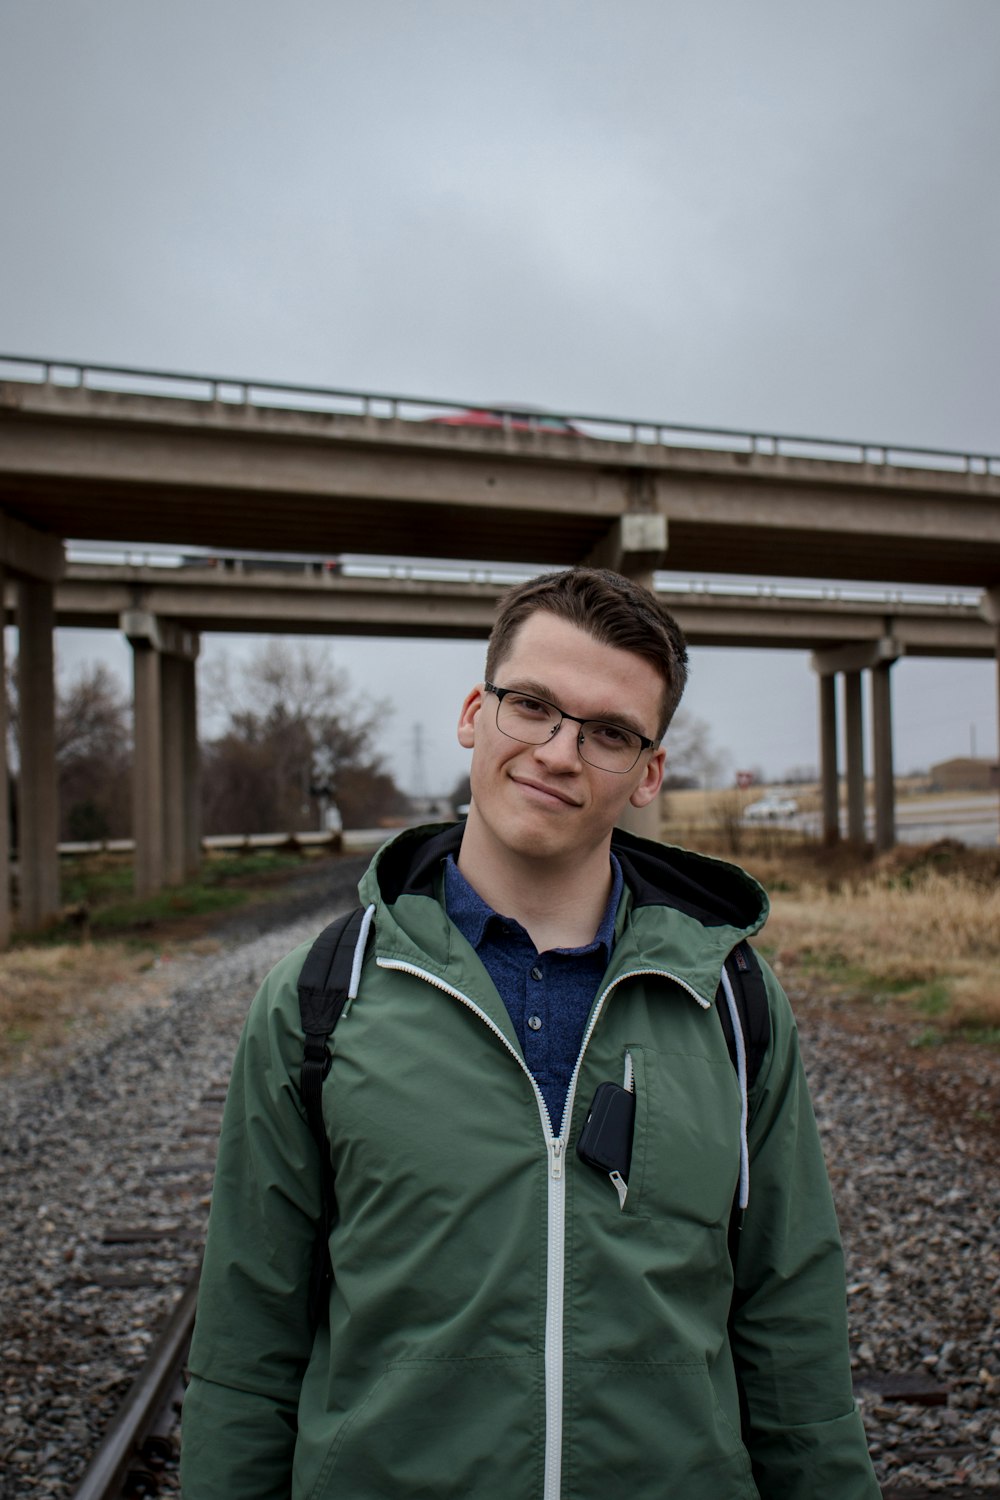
(138, 1452)
(140, 1446)
(137, 1456)
(159, 1248)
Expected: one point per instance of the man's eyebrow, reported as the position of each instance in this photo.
(535, 689)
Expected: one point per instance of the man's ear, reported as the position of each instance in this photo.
(652, 780)
(471, 710)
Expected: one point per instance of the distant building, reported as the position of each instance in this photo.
(965, 774)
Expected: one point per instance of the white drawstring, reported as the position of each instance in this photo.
(359, 952)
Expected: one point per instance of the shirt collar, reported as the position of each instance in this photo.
(471, 915)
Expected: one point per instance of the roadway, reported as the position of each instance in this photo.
(972, 819)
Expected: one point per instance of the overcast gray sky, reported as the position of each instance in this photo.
(779, 215)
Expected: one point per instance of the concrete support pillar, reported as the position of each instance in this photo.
(642, 821)
(636, 546)
(37, 804)
(181, 817)
(4, 784)
(191, 761)
(172, 711)
(829, 778)
(165, 784)
(876, 657)
(885, 790)
(854, 754)
(147, 774)
(991, 608)
(35, 561)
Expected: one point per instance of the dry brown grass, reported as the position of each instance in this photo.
(50, 994)
(932, 942)
(918, 928)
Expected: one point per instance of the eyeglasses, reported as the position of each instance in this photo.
(535, 721)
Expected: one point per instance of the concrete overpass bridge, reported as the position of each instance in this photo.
(101, 454)
(250, 596)
(98, 454)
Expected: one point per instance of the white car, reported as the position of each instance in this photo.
(770, 808)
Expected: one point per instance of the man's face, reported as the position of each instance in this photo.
(544, 801)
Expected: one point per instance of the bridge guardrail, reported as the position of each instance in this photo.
(422, 570)
(373, 404)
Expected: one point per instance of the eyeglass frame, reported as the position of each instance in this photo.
(645, 743)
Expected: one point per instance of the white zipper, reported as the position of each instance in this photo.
(555, 1147)
(556, 1283)
(556, 1239)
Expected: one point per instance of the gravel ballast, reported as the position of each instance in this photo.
(91, 1145)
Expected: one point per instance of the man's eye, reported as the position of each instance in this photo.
(531, 706)
(610, 734)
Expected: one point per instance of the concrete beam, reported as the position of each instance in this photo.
(859, 658)
(224, 473)
(636, 544)
(38, 808)
(150, 632)
(27, 552)
(199, 599)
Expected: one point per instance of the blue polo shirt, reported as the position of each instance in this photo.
(548, 995)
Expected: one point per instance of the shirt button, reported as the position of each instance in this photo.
(535, 1022)
(536, 972)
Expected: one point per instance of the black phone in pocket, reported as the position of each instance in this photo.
(606, 1138)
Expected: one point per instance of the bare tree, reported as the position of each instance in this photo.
(93, 756)
(93, 745)
(692, 760)
(296, 737)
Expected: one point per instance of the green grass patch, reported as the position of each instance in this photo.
(104, 888)
(929, 1037)
(218, 868)
(984, 1036)
(165, 906)
(933, 999)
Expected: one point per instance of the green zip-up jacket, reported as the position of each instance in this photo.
(499, 1327)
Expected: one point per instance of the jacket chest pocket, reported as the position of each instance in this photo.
(686, 1140)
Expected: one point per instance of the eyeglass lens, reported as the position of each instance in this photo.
(533, 721)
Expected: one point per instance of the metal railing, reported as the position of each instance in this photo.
(422, 570)
(240, 390)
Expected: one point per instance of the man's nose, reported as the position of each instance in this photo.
(562, 749)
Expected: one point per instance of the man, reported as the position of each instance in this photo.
(508, 1320)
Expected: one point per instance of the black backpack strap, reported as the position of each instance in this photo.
(323, 985)
(750, 993)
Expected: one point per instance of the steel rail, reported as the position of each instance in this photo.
(765, 443)
(110, 1465)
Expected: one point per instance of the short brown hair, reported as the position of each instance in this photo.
(613, 609)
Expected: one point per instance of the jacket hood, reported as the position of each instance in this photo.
(711, 892)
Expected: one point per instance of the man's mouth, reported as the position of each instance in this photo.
(549, 792)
